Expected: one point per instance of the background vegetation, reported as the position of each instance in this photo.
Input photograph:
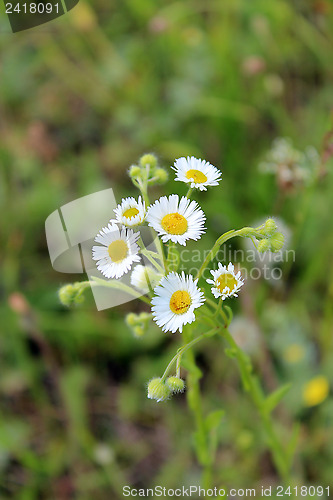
(81, 99)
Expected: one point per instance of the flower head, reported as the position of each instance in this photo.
(130, 212)
(198, 173)
(142, 275)
(176, 220)
(118, 252)
(316, 391)
(226, 282)
(174, 302)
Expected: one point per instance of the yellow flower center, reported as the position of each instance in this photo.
(118, 250)
(174, 223)
(130, 212)
(316, 391)
(180, 302)
(226, 280)
(196, 176)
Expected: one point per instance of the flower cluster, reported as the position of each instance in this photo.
(175, 299)
(175, 220)
(292, 168)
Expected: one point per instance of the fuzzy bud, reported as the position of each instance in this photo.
(162, 175)
(134, 171)
(70, 294)
(131, 319)
(158, 390)
(138, 331)
(277, 241)
(263, 245)
(175, 384)
(148, 159)
(270, 227)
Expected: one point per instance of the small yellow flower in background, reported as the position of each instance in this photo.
(130, 212)
(176, 220)
(294, 353)
(226, 282)
(198, 173)
(316, 391)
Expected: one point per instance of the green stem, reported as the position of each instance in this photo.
(251, 385)
(189, 192)
(120, 286)
(194, 401)
(183, 349)
(222, 239)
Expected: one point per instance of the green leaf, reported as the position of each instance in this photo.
(293, 441)
(274, 399)
(213, 420)
(200, 448)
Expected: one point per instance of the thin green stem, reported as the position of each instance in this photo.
(251, 385)
(193, 394)
(183, 349)
(120, 286)
(189, 192)
(222, 239)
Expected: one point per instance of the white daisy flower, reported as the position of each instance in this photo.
(174, 302)
(176, 220)
(118, 252)
(198, 173)
(130, 212)
(142, 275)
(226, 282)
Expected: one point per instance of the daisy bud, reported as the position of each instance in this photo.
(162, 175)
(264, 245)
(148, 159)
(158, 390)
(134, 171)
(138, 331)
(131, 319)
(143, 317)
(66, 294)
(270, 227)
(71, 294)
(277, 241)
(175, 384)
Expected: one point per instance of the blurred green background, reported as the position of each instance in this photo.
(81, 99)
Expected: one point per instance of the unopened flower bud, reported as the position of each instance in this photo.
(66, 295)
(134, 171)
(158, 390)
(131, 319)
(175, 384)
(263, 245)
(148, 159)
(138, 331)
(70, 294)
(270, 227)
(161, 175)
(277, 241)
